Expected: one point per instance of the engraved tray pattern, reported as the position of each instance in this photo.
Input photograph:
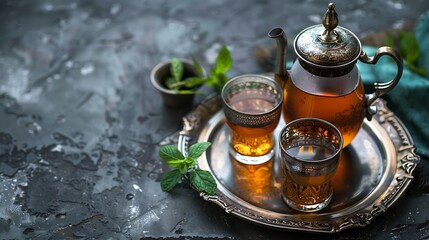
(383, 153)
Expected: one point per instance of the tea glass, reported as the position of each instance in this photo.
(310, 152)
(252, 107)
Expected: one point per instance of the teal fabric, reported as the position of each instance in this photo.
(409, 100)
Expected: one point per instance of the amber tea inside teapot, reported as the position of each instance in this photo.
(324, 82)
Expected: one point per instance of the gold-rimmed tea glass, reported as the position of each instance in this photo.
(252, 107)
(310, 152)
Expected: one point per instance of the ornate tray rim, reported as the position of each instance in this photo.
(406, 162)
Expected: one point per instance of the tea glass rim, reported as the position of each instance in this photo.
(256, 78)
(333, 156)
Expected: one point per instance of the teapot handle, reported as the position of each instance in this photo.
(381, 88)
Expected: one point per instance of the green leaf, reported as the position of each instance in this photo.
(408, 46)
(170, 82)
(198, 66)
(222, 79)
(213, 72)
(197, 149)
(170, 179)
(419, 70)
(203, 181)
(409, 49)
(223, 61)
(175, 163)
(186, 92)
(170, 152)
(190, 161)
(183, 169)
(193, 81)
(212, 80)
(176, 69)
(389, 40)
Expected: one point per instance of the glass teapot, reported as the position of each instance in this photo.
(325, 82)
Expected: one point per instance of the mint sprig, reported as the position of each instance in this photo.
(217, 77)
(409, 49)
(186, 167)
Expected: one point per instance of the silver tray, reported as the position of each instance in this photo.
(374, 172)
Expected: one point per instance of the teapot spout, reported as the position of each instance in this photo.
(281, 74)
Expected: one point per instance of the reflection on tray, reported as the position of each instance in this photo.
(374, 172)
(360, 170)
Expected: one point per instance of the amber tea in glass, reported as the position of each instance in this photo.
(252, 107)
(310, 151)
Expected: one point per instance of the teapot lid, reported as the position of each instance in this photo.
(327, 44)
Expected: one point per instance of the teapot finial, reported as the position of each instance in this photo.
(330, 22)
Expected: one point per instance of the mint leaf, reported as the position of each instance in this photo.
(408, 46)
(409, 49)
(183, 169)
(197, 149)
(176, 69)
(222, 79)
(213, 72)
(389, 40)
(203, 181)
(212, 80)
(198, 66)
(170, 179)
(170, 82)
(223, 61)
(190, 161)
(419, 70)
(187, 92)
(222, 65)
(170, 152)
(175, 163)
(193, 81)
